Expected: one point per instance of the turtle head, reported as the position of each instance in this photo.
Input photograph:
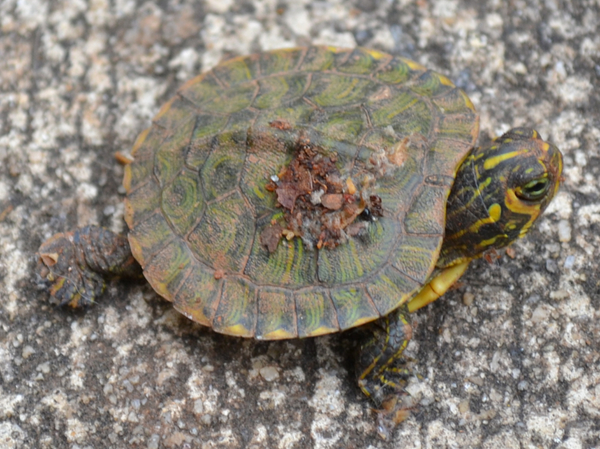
(499, 192)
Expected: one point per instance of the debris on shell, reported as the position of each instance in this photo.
(280, 124)
(351, 188)
(385, 161)
(315, 197)
(375, 207)
(320, 205)
(289, 235)
(270, 236)
(357, 228)
(332, 201)
(397, 154)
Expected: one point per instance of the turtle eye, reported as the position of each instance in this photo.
(534, 190)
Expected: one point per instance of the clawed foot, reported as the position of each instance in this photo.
(77, 264)
(383, 371)
(63, 267)
(394, 409)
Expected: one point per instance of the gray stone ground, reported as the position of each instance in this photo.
(509, 360)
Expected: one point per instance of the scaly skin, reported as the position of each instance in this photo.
(500, 190)
(78, 263)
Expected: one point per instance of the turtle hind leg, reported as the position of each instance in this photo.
(382, 370)
(77, 264)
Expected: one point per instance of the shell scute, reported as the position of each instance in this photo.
(232, 99)
(142, 167)
(414, 256)
(431, 84)
(353, 306)
(142, 202)
(290, 265)
(169, 268)
(223, 237)
(235, 71)
(174, 113)
(360, 256)
(149, 236)
(423, 217)
(298, 116)
(182, 201)
(281, 90)
(279, 61)
(320, 59)
(329, 90)
(345, 125)
(207, 127)
(363, 62)
(236, 313)
(443, 162)
(315, 313)
(168, 158)
(199, 293)
(201, 89)
(221, 171)
(276, 314)
(390, 288)
(398, 71)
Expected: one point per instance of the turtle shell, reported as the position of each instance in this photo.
(198, 199)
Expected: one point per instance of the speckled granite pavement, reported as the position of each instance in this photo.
(509, 360)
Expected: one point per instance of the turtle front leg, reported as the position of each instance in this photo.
(77, 264)
(383, 372)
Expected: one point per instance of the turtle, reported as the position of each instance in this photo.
(300, 192)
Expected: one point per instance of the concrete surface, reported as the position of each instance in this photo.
(510, 359)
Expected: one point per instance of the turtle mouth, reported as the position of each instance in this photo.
(320, 205)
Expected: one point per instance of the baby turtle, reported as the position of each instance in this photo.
(300, 192)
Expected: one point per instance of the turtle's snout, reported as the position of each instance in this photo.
(535, 175)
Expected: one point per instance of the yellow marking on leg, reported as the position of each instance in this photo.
(74, 302)
(438, 286)
(390, 383)
(57, 285)
(375, 361)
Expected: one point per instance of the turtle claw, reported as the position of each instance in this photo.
(394, 409)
